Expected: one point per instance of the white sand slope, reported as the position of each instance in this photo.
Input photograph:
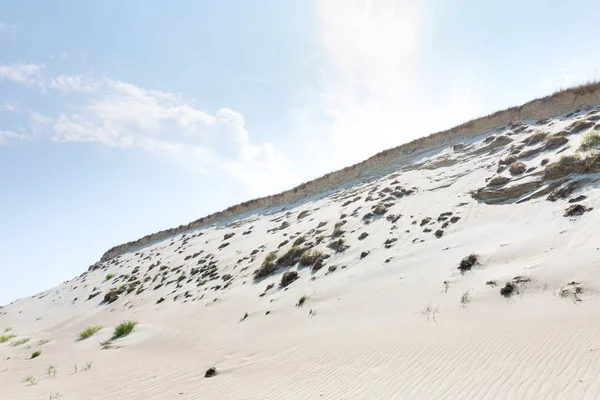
(399, 322)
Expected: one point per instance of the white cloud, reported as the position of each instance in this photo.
(5, 135)
(65, 83)
(10, 108)
(28, 74)
(120, 114)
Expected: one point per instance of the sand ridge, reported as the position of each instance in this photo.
(382, 311)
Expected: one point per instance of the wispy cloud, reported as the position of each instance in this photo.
(4, 27)
(10, 108)
(28, 74)
(5, 135)
(66, 83)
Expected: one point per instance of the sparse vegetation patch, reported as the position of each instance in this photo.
(20, 342)
(89, 331)
(6, 338)
(310, 257)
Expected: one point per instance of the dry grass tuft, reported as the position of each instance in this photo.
(590, 141)
(310, 257)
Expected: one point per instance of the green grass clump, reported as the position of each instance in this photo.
(36, 353)
(123, 329)
(268, 266)
(291, 257)
(109, 276)
(7, 329)
(271, 257)
(590, 140)
(89, 331)
(6, 338)
(20, 342)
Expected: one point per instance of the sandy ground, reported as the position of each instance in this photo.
(397, 323)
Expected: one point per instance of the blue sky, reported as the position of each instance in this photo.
(118, 119)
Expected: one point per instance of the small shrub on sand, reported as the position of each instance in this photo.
(379, 209)
(319, 239)
(7, 329)
(268, 266)
(87, 366)
(36, 353)
(555, 141)
(299, 241)
(337, 232)
(291, 257)
(508, 290)
(536, 137)
(580, 126)
(517, 168)
(288, 277)
(338, 245)
(310, 257)
(109, 276)
(590, 140)
(89, 331)
(123, 329)
(565, 158)
(271, 257)
(467, 263)
(6, 338)
(43, 342)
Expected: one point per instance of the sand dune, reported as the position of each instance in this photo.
(384, 312)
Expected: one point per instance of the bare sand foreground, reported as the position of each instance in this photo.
(466, 268)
